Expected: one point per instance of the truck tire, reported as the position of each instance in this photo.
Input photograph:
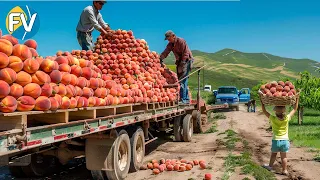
(197, 122)
(137, 143)
(187, 128)
(120, 160)
(177, 129)
(41, 165)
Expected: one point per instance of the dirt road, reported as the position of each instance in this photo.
(251, 127)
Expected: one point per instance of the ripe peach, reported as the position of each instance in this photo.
(155, 165)
(82, 82)
(268, 86)
(65, 104)
(188, 167)
(62, 60)
(286, 89)
(4, 89)
(42, 104)
(281, 83)
(279, 88)
(87, 92)
(79, 91)
(55, 76)
(290, 93)
(202, 165)
(32, 89)
(66, 78)
(71, 91)
(170, 167)
(182, 168)
(22, 51)
(87, 73)
(58, 98)
(54, 104)
(23, 78)
(31, 66)
(262, 87)
(293, 91)
(62, 90)
(31, 43)
(76, 70)
(16, 90)
(6, 47)
(183, 161)
(15, 63)
(273, 90)
(269, 94)
(34, 52)
(8, 104)
(162, 167)
(64, 68)
(8, 75)
(10, 38)
(41, 78)
(291, 86)
(74, 80)
(288, 83)
(150, 166)
(94, 83)
(176, 167)
(207, 176)
(4, 60)
(73, 103)
(46, 90)
(156, 171)
(25, 103)
(284, 93)
(196, 162)
(92, 101)
(48, 65)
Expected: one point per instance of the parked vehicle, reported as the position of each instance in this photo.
(228, 94)
(207, 88)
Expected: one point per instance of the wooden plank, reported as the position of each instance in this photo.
(12, 122)
(83, 114)
(150, 106)
(53, 118)
(36, 112)
(140, 107)
(105, 112)
(125, 109)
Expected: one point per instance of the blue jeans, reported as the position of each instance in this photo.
(85, 40)
(184, 92)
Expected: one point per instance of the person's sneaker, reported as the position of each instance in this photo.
(285, 172)
(267, 167)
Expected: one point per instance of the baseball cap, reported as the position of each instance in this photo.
(168, 34)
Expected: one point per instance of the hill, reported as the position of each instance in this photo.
(232, 67)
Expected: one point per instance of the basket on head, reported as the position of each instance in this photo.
(278, 101)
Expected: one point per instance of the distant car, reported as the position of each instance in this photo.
(244, 95)
(228, 94)
(207, 88)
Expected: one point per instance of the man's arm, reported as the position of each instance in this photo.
(295, 107)
(95, 23)
(166, 52)
(264, 110)
(102, 23)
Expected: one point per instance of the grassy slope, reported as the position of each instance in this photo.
(243, 69)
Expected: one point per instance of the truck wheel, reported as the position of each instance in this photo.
(177, 129)
(16, 171)
(137, 142)
(121, 157)
(41, 165)
(187, 128)
(197, 122)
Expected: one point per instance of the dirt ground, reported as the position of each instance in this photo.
(250, 126)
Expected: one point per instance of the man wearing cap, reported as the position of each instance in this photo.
(90, 19)
(184, 60)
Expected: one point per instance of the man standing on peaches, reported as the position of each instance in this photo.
(91, 19)
(184, 60)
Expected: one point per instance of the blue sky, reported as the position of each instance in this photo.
(288, 28)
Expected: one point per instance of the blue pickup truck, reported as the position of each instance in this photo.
(232, 96)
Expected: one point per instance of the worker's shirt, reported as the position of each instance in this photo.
(90, 19)
(280, 127)
(180, 50)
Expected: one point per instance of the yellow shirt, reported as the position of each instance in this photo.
(280, 127)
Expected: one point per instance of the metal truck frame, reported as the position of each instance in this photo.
(112, 138)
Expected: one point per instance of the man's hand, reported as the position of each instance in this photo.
(103, 32)
(107, 27)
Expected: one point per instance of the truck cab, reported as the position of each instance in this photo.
(228, 94)
(244, 95)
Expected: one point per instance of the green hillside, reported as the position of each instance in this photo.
(232, 67)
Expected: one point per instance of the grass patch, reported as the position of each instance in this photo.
(219, 116)
(244, 161)
(317, 157)
(212, 129)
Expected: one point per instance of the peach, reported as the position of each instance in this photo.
(202, 165)
(46, 90)
(80, 101)
(62, 90)
(73, 103)
(83, 63)
(66, 78)
(55, 76)
(25, 103)
(42, 104)
(32, 89)
(6, 47)
(16, 90)
(87, 72)
(71, 91)
(8, 104)
(65, 103)
(48, 65)
(196, 162)
(98, 92)
(22, 51)
(104, 92)
(92, 101)
(74, 80)
(15, 63)
(4, 89)
(10, 38)
(79, 91)
(31, 66)
(34, 52)
(40, 78)
(23, 78)
(207, 176)
(59, 99)
(55, 88)
(82, 82)
(76, 70)
(4, 60)
(40, 60)
(94, 83)
(61, 60)
(102, 102)
(97, 101)
(188, 167)
(54, 104)
(8, 75)
(87, 92)
(31, 43)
